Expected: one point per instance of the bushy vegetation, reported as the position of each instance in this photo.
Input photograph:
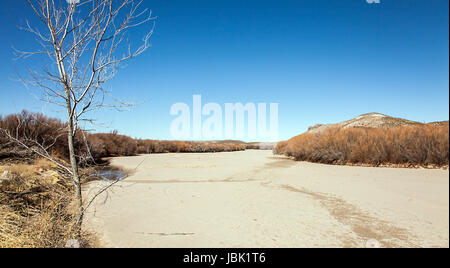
(34, 129)
(112, 144)
(153, 146)
(422, 145)
(37, 131)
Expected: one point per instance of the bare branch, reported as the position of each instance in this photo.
(43, 153)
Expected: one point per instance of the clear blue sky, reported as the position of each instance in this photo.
(322, 61)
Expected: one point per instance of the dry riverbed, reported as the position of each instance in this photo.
(256, 199)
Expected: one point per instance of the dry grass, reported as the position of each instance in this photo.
(36, 210)
(420, 145)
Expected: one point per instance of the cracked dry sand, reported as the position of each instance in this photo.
(255, 199)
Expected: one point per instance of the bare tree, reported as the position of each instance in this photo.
(82, 45)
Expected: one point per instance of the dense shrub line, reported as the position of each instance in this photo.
(408, 145)
(34, 128)
(112, 144)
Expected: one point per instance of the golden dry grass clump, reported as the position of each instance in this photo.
(418, 145)
(35, 208)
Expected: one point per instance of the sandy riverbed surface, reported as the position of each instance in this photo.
(256, 199)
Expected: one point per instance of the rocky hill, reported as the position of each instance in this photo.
(439, 123)
(370, 120)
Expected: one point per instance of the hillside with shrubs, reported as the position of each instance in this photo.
(404, 144)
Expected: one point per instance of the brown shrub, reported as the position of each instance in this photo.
(280, 148)
(111, 144)
(35, 128)
(410, 145)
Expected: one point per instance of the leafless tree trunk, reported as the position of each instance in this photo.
(83, 43)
